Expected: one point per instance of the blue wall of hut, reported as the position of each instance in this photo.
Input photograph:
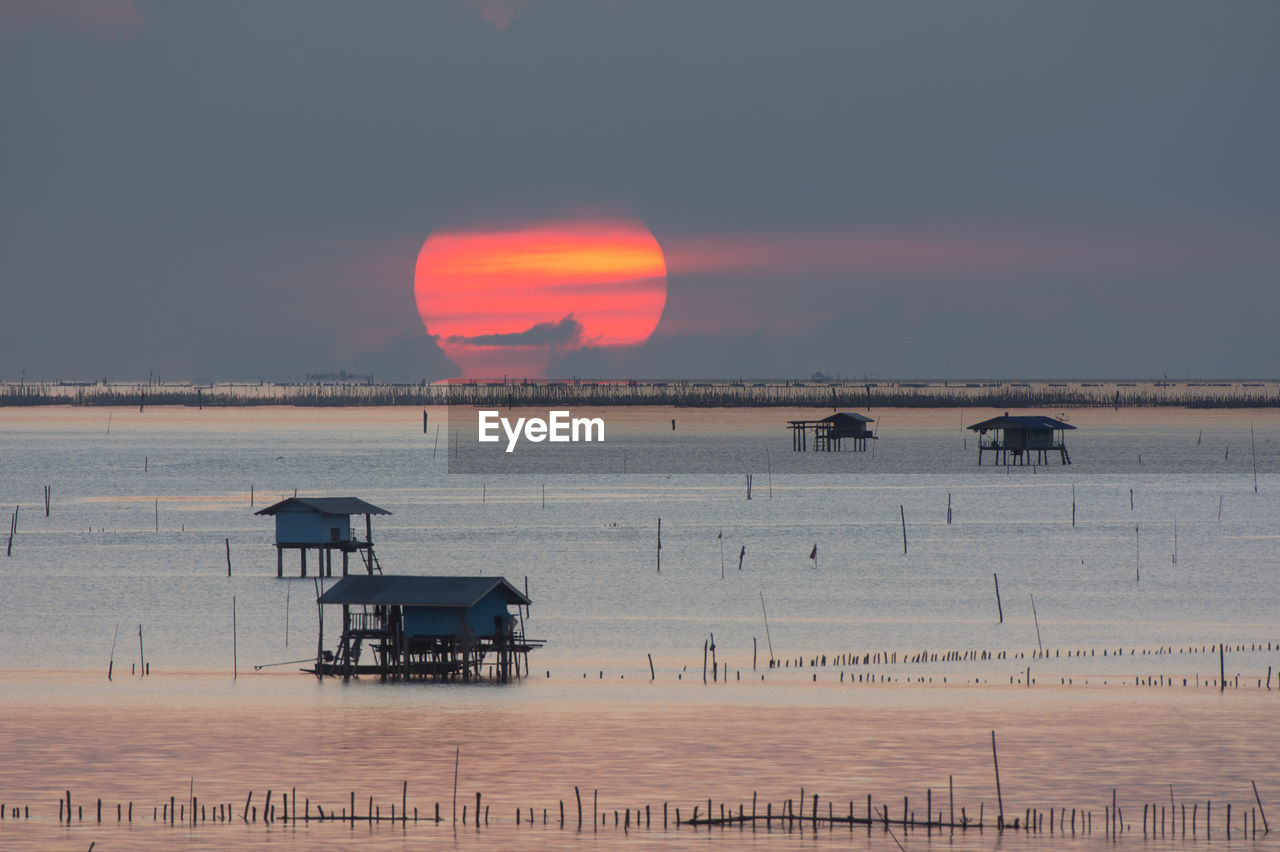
(311, 528)
(443, 621)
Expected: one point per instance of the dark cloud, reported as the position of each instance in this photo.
(562, 332)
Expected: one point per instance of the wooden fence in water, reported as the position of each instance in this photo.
(1176, 820)
(544, 393)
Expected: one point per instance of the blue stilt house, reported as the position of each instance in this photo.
(323, 524)
(830, 432)
(427, 627)
(1019, 439)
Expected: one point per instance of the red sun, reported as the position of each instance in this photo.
(502, 299)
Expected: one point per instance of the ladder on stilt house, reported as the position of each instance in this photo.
(370, 560)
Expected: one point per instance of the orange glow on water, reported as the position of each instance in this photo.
(504, 299)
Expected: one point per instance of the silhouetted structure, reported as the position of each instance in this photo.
(323, 524)
(1019, 437)
(829, 433)
(439, 628)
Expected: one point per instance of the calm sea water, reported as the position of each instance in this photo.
(88, 576)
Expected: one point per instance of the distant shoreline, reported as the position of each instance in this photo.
(824, 394)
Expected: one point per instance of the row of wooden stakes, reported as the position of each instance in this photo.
(1157, 820)
(867, 658)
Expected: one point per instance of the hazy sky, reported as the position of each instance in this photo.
(241, 189)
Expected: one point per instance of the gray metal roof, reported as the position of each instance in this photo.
(847, 415)
(1024, 421)
(325, 506)
(459, 592)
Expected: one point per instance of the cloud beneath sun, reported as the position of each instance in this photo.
(566, 331)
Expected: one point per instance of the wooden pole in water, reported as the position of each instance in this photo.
(1253, 446)
(228, 543)
(767, 637)
(999, 608)
(142, 658)
(996, 763)
(111, 662)
(1222, 669)
(652, 676)
(1266, 829)
(659, 545)
(457, 756)
(1037, 620)
(720, 538)
(903, 513)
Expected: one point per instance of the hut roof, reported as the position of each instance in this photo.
(846, 415)
(456, 592)
(1024, 421)
(325, 506)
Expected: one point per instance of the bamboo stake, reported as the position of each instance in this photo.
(111, 663)
(659, 545)
(767, 637)
(720, 538)
(1254, 447)
(457, 757)
(996, 763)
(1037, 620)
(903, 513)
(1266, 829)
(999, 608)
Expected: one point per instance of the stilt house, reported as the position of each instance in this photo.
(830, 432)
(1022, 439)
(323, 524)
(440, 628)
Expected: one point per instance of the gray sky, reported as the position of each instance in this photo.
(240, 189)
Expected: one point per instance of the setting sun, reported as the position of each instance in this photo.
(501, 300)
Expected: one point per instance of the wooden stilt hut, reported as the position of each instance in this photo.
(830, 433)
(1022, 439)
(323, 524)
(427, 628)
